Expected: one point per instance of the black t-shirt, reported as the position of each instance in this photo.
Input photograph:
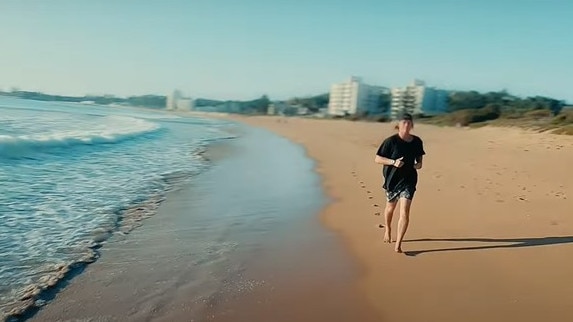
(406, 176)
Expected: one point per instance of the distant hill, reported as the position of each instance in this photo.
(149, 101)
(313, 103)
(256, 106)
(201, 102)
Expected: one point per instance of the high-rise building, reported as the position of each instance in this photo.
(355, 97)
(418, 99)
(176, 101)
(172, 99)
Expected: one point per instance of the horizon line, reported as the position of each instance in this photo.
(565, 101)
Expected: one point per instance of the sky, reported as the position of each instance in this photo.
(229, 49)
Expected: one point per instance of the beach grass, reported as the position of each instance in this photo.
(540, 120)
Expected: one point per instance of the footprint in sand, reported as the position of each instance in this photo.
(376, 214)
(560, 194)
(375, 205)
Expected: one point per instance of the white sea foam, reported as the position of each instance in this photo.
(69, 179)
(109, 129)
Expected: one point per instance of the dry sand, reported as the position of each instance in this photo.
(491, 230)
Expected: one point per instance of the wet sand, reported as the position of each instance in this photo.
(241, 242)
(491, 226)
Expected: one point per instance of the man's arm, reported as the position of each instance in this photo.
(398, 163)
(419, 163)
(420, 158)
(384, 153)
(382, 160)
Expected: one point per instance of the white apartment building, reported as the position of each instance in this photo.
(417, 98)
(355, 97)
(185, 104)
(172, 99)
(176, 101)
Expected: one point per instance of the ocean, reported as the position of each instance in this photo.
(72, 175)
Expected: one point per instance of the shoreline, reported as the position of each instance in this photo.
(267, 267)
(105, 244)
(35, 296)
(314, 300)
(490, 175)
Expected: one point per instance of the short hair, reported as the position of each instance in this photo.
(406, 117)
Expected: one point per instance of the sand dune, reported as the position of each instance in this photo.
(491, 229)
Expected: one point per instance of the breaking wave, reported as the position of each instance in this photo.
(111, 129)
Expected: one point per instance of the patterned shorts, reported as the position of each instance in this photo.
(407, 193)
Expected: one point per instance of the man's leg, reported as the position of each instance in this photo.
(388, 214)
(403, 222)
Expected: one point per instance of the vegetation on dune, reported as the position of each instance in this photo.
(501, 109)
(312, 103)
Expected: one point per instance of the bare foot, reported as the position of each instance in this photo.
(387, 236)
(398, 247)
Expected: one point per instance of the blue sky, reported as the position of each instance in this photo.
(230, 49)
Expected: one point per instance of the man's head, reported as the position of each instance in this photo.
(405, 123)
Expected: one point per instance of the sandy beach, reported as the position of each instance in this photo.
(490, 228)
(241, 242)
(488, 239)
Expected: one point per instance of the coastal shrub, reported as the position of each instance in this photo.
(378, 118)
(468, 116)
(512, 114)
(538, 114)
(567, 129)
(564, 117)
(354, 117)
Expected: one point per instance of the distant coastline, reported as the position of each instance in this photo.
(466, 108)
(149, 101)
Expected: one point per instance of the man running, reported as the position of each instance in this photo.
(401, 154)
